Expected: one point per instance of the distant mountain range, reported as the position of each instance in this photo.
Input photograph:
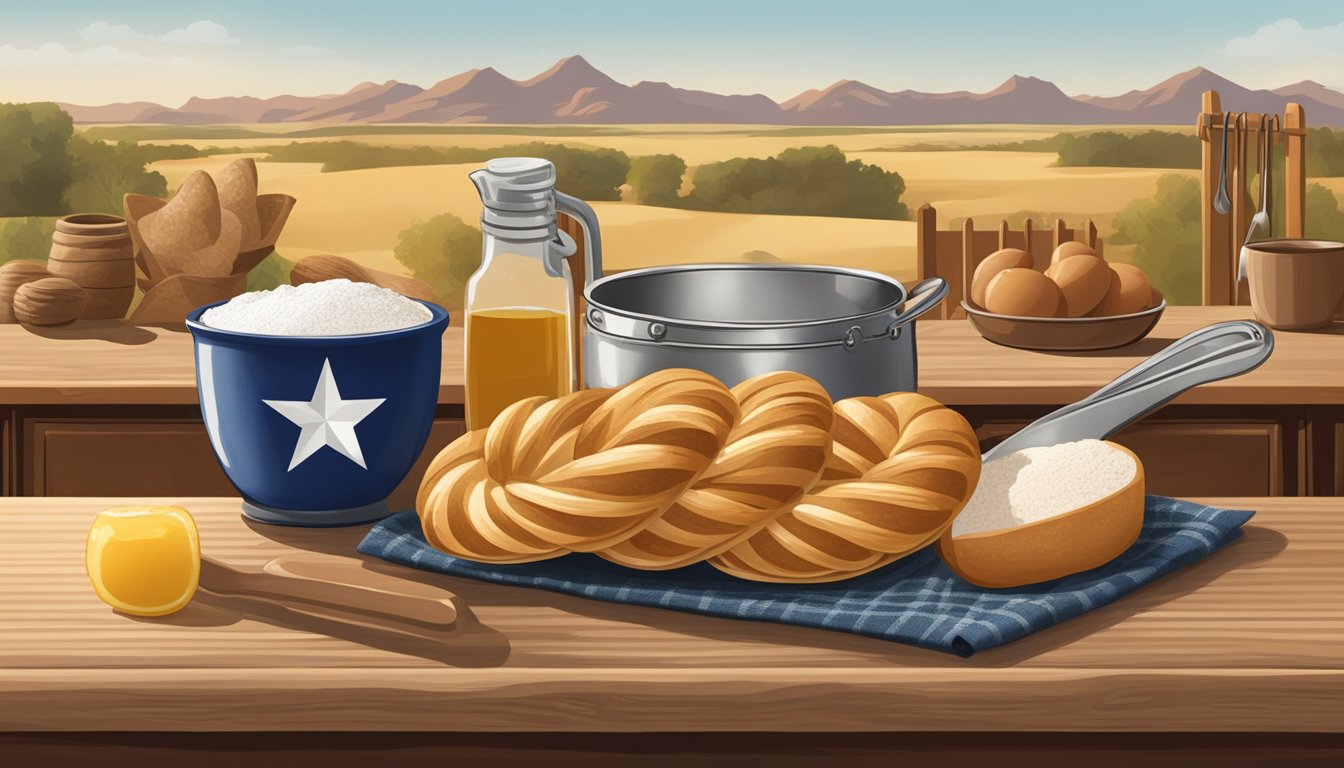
(573, 91)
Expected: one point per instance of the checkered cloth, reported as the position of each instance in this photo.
(916, 600)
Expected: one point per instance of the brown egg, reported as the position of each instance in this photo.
(1083, 279)
(1023, 292)
(1069, 248)
(994, 263)
(1157, 299)
(1129, 292)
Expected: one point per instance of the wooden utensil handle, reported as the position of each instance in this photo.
(338, 588)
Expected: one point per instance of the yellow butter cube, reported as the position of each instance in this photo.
(144, 560)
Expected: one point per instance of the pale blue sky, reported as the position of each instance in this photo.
(96, 52)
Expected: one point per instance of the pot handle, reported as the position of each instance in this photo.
(924, 296)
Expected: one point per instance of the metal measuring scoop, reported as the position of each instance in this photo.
(1219, 351)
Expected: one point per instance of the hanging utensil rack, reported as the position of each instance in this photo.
(1223, 233)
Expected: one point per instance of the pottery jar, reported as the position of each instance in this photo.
(94, 250)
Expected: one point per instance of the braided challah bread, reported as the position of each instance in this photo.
(768, 481)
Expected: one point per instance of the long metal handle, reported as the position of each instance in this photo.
(1217, 352)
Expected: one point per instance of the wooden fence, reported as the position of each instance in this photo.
(1224, 233)
(954, 254)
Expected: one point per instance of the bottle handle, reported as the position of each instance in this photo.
(592, 234)
(578, 275)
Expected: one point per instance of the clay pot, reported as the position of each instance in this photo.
(95, 251)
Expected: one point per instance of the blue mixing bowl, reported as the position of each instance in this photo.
(318, 430)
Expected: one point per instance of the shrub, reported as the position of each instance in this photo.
(1150, 149)
(104, 172)
(656, 179)
(1165, 230)
(443, 252)
(589, 173)
(35, 167)
(807, 181)
(272, 271)
(1325, 221)
(26, 238)
(1325, 152)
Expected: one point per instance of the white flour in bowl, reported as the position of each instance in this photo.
(1037, 483)
(329, 308)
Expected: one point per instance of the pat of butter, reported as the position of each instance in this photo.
(144, 560)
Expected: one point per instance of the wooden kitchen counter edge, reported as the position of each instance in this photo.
(1251, 639)
(111, 363)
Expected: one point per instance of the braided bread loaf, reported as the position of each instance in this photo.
(768, 481)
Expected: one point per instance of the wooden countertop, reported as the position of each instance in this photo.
(114, 363)
(111, 362)
(1251, 639)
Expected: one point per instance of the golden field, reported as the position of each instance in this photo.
(361, 213)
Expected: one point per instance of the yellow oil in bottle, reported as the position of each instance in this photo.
(514, 353)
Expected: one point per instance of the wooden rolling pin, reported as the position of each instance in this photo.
(313, 269)
(340, 590)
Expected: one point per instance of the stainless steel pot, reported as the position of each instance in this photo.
(851, 330)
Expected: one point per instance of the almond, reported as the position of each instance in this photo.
(315, 269)
(14, 274)
(48, 301)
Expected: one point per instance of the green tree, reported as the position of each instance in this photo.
(1150, 149)
(1325, 221)
(104, 172)
(26, 238)
(586, 172)
(805, 181)
(35, 167)
(1165, 230)
(656, 179)
(443, 252)
(1325, 152)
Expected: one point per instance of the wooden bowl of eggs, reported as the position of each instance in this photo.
(1080, 302)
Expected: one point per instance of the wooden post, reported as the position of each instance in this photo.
(1215, 227)
(1295, 171)
(926, 242)
(1026, 240)
(968, 264)
(1090, 236)
(1003, 234)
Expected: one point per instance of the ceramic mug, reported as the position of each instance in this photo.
(1295, 284)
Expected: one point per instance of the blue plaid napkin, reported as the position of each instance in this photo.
(916, 600)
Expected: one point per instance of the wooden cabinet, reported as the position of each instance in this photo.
(145, 451)
(1195, 450)
(66, 456)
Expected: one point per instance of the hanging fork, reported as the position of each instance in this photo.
(1261, 222)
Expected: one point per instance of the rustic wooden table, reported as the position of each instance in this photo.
(112, 363)
(1249, 640)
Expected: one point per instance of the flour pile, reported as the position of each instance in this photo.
(1039, 483)
(329, 308)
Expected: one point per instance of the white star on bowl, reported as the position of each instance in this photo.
(326, 420)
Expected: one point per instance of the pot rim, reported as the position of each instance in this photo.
(745, 325)
(88, 223)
